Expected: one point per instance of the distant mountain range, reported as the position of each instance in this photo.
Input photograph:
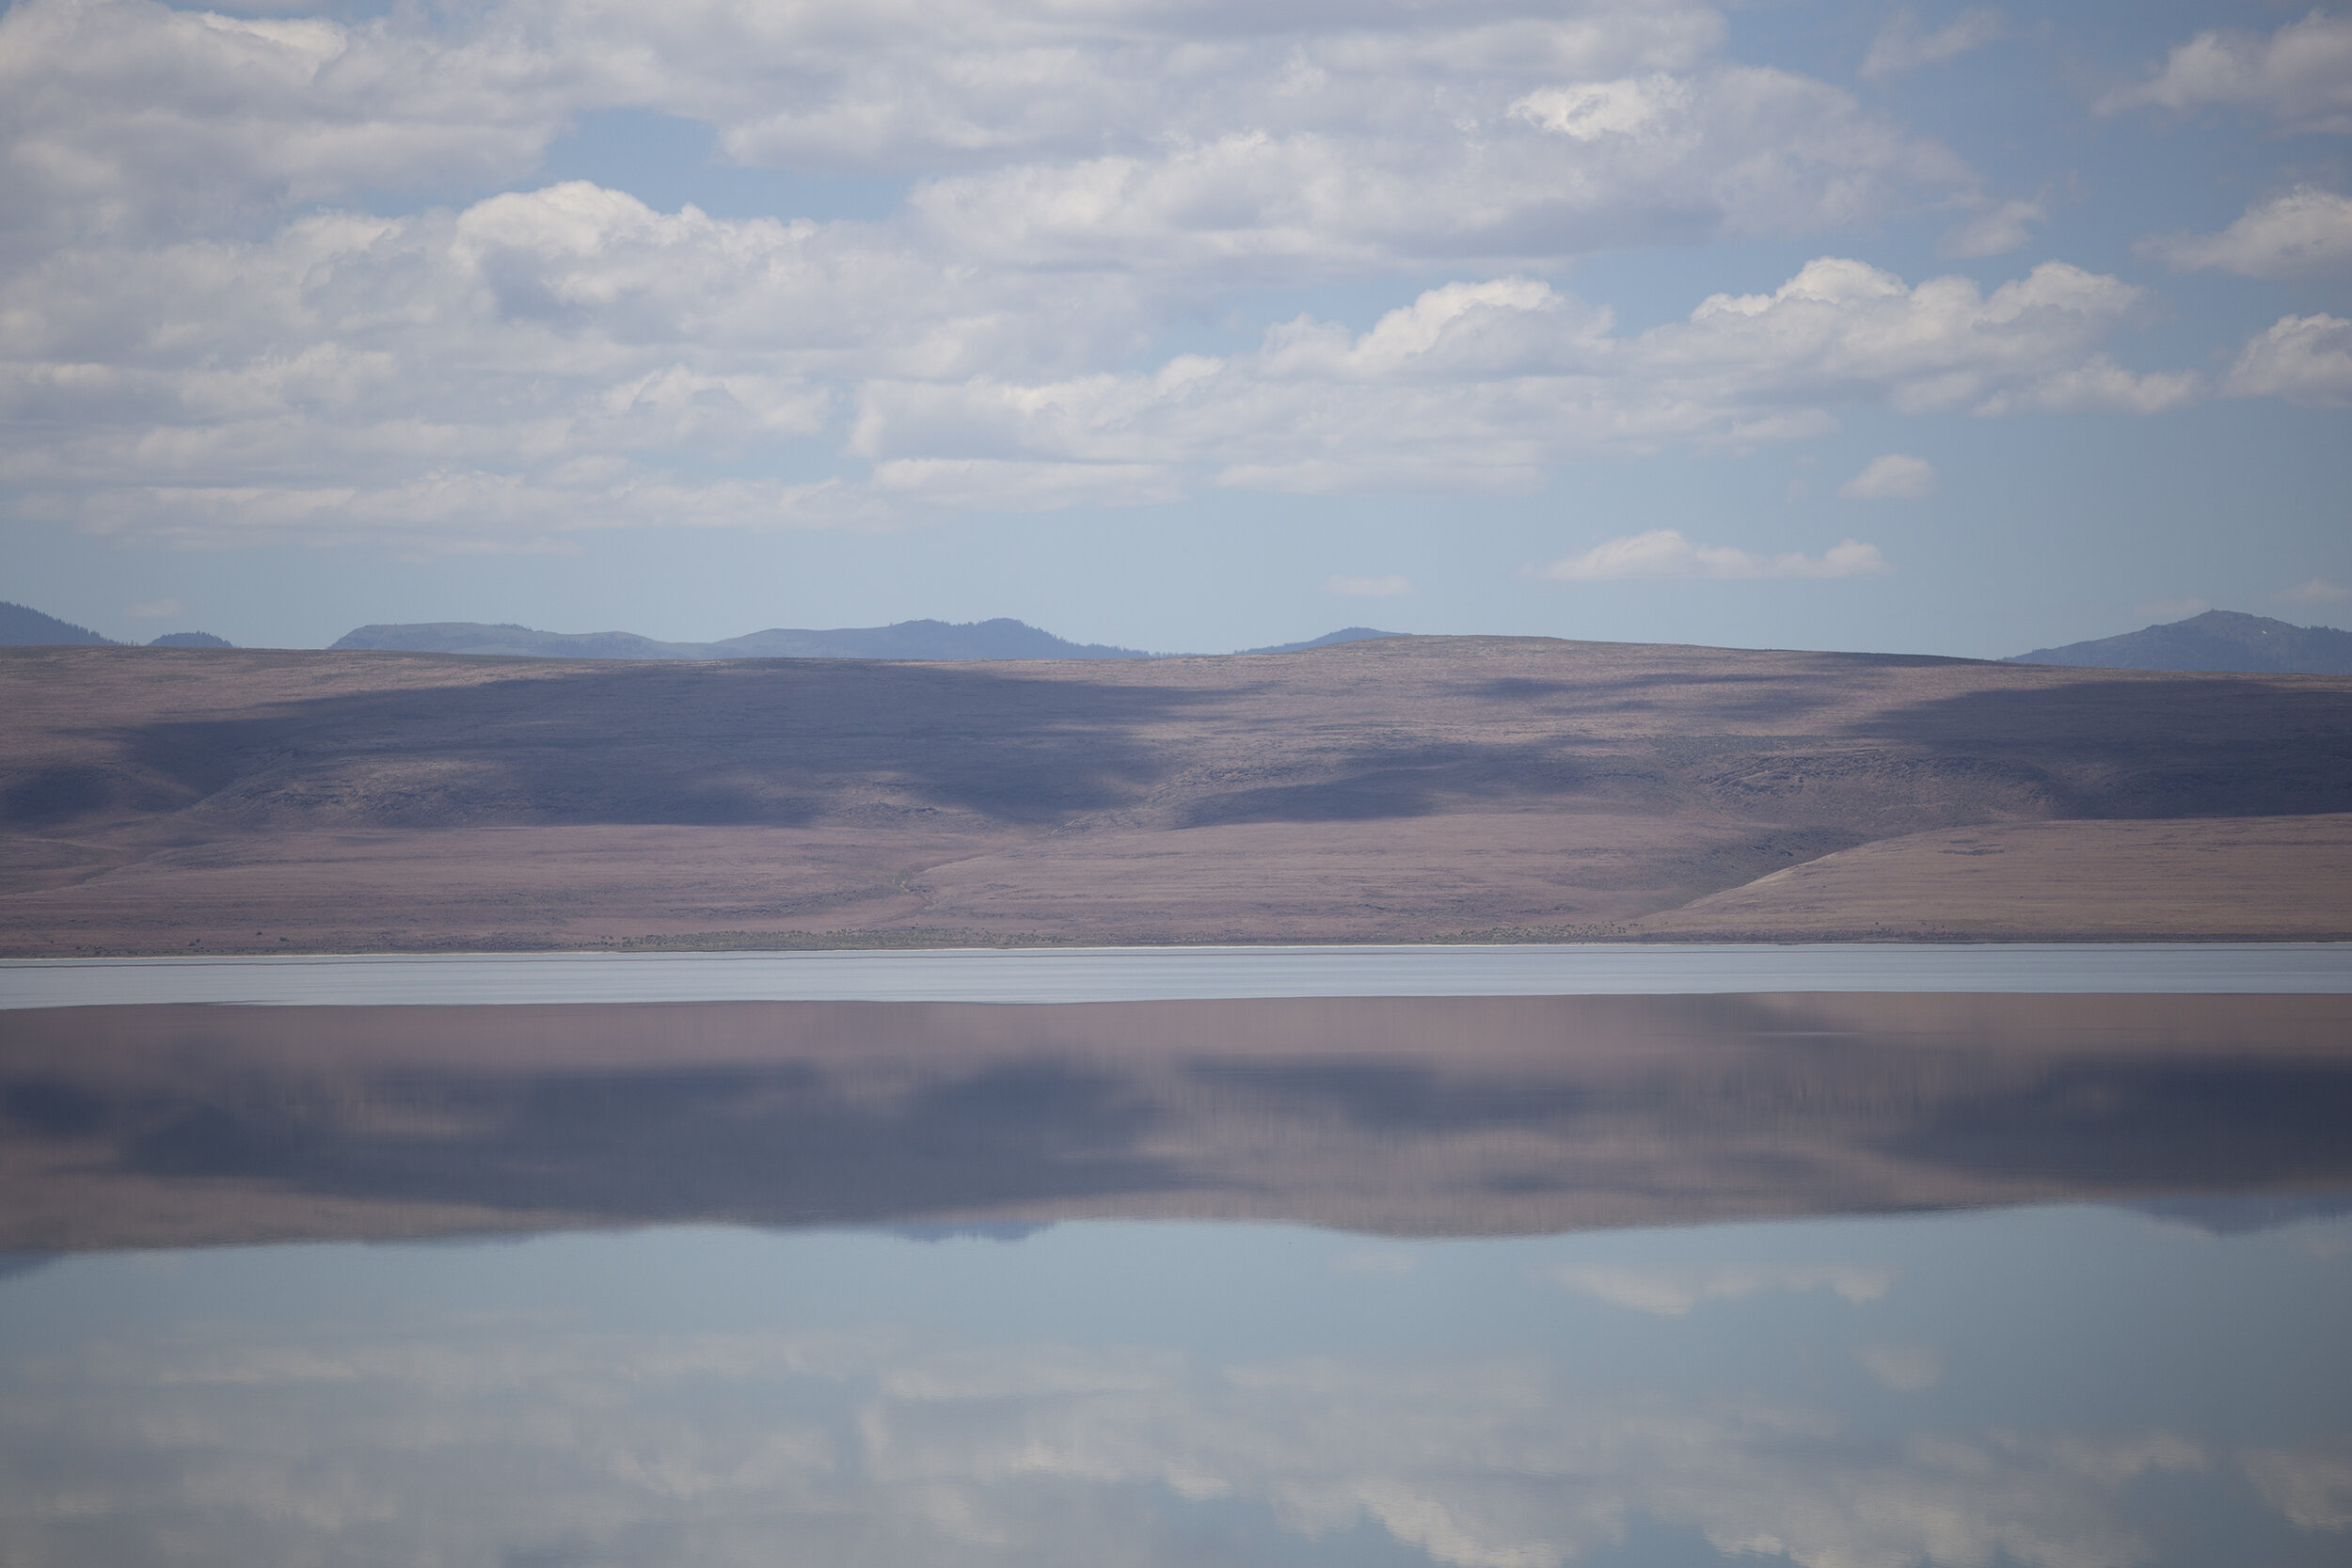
(1003, 637)
(2218, 640)
(907, 639)
(914, 639)
(22, 626)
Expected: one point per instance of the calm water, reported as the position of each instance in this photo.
(1842, 1275)
(1178, 973)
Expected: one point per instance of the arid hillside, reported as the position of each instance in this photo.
(170, 800)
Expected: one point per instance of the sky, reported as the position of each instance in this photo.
(1928, 328)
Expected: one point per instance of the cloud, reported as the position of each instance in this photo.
(2172, 609)
(2314, 591)
(1893, 477)
(545, 362)
(1901, 46)
(2304, 360)
(1276, 141)
(1903, 1368)
(2299, 78)
(2312, 1487)
(1387, 587)
(153, 610)
(2305, 234)
(2000, 229)
(222, 349)
(1673, 1291)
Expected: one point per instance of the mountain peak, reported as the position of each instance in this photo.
(2218, 640)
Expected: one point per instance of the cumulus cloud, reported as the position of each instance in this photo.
(1893, 477)
(542, 362)
(1278, 141)
(1387, 587)
(2298, 78)
(2305, 234)
(1902, 46)
(2304, 360)
(205, 339)
(1665, 553)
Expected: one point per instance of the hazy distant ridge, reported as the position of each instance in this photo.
(1345, 634)
(22, 626)
(2218, 640)
(1002, 637)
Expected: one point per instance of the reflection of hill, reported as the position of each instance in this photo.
(1398, 787)
(181, 1125)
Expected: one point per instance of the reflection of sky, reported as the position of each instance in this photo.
(2070, 1388)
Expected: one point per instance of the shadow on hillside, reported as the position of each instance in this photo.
(775, 744)
(2240, 747)
(1383, 782)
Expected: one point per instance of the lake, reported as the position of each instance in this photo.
(1845, 1258)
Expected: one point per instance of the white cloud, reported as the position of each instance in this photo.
(2304, 360)
(1387, 587)
(2299, 77)
(153, 610)
(1997, 230)
(214, 360)
(2305, 234)
(2172, 609)
(564, 359)
(2314, 591)
(1665, 553)
(1902, 46)
(1892, 477)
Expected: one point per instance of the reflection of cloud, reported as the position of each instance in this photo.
(1672, 1292)
(1905, 1368)
(900, 1447)
(2313, 1489)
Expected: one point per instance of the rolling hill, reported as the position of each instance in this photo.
(1383, 790)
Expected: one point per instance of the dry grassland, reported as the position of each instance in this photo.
(1415, 788)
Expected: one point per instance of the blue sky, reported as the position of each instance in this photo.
(1935, 328)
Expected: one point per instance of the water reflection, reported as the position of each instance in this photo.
(181, 1125)
(2076, 1388)
(959, 1304)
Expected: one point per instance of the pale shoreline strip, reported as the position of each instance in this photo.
(1181, 973)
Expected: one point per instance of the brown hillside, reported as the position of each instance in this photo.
(158, 799)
